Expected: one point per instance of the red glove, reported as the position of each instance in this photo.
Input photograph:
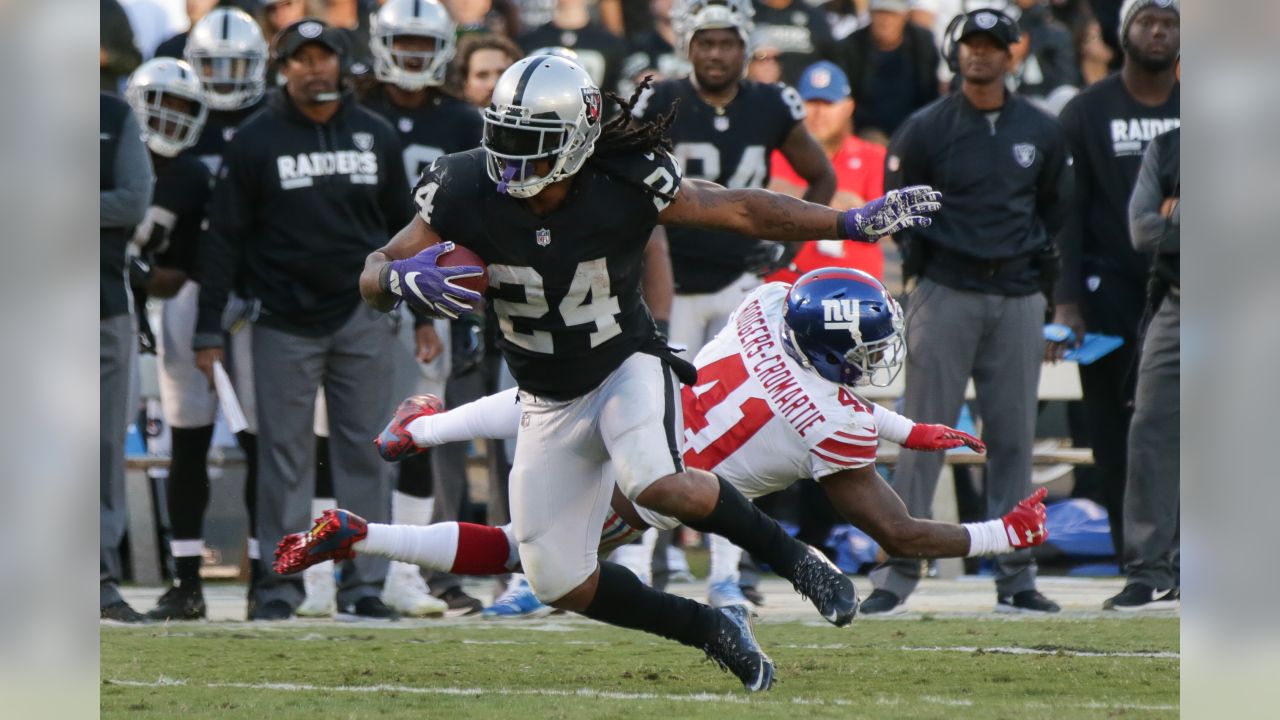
(941, 437)
(1024, 524)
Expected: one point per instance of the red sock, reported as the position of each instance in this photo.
(482, 550)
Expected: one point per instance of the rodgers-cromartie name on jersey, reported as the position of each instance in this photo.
(297, 171)
(766, 362)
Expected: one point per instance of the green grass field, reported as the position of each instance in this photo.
(569, 668)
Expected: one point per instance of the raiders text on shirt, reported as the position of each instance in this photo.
(297, 171)
(1130, 137)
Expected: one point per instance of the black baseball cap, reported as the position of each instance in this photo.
(308, 30)
(991, 22)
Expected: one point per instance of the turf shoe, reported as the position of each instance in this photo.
(271, 610)
(459, 602)
(829, 589)
(179, 603)
(369, 607)
(121, 611)
(330, 538)
(395, 442)
(881, 602)
(735, 649)
(1027, 601)
(407, 592)
(1139, 596)
(517, 602)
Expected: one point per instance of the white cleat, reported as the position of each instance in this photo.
(321, 591)
(406, 591)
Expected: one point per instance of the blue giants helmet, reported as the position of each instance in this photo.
(845, 326)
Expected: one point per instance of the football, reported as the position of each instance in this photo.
(460, 255)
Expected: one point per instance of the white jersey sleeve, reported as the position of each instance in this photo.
(848, 440)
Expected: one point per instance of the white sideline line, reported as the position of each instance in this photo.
(1042, 651)
(163, 681)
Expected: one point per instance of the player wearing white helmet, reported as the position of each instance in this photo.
(412, 43)
(229, 55)
(563, 239)
(169, 101)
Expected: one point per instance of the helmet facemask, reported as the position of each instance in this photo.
(169, 104)
(542, 128)
(229, 55)
(419, 24)
(825, 324)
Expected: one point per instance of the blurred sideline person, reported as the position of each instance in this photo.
(412, 43)
(167, 98)
(892, 65)
(985, 269)
(798, 32)
(600, 52)
(309, 185)
(858, 164)
(779, 337)
(226, 51)
(480, 61)
(124, 193)
(724, 131)
(1151, 501)
(1104, 278)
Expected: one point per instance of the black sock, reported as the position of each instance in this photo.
(248, 443)
(324, 472)
(188, 571)
(415, 478)
(622, 600)
(744, 525)
(187, 493)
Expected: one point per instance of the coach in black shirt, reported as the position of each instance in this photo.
(309, 186)
(978, 311)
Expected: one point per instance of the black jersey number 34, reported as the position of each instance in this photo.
(591, 278)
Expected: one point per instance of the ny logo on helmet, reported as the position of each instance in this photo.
(841, 314)
(591, 97)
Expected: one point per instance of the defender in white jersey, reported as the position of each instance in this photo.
(764, 413)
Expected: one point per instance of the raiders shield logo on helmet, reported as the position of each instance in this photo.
(363, 141)
(591, 96)
(1025, 154)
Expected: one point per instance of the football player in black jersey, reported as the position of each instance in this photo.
(724, 132)
(167, 98)
(229, 54)
(412, 43)
(561, 209)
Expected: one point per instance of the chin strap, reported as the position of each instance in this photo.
(508, 173)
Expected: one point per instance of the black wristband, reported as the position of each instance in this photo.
(841, 226)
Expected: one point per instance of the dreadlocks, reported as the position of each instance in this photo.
(624, 134)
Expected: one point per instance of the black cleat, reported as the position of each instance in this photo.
(457, 600)
(369, 607)
(830, 591)
(881, 602)
(179, 603)
(1027, 601)
(752, 594)
(735, 649)
(271, 610)
(121, 611)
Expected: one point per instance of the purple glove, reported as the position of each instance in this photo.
(428, 287)
(895, 210)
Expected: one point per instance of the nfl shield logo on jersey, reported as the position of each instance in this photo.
(543, 236)
(363, 141)
(1025, 154)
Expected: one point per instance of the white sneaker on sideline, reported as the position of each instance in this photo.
(321, 600)
(406, 591)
